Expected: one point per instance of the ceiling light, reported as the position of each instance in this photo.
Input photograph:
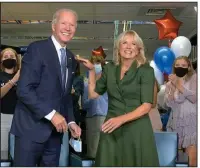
(195, 8)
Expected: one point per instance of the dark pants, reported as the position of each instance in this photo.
(29, 153)
(93, 127)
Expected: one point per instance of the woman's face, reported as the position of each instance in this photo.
(8, 55)
(128, 48)
(181, 63)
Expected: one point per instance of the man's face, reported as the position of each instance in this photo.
(65, 27)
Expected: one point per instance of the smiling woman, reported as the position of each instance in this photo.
(129, 81)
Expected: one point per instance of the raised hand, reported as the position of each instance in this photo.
(85, 62)
(16, 77)
(172, 78)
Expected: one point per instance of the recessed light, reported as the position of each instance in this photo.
(195, 8)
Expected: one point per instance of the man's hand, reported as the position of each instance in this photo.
(72, 91)
(59, 122)
(75, 130)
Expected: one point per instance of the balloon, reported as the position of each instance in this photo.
(168, 26)
(181, 46)
(164, 59)
(160, 96)
(158, 74)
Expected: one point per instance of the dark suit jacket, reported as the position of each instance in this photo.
(40, 91)
(78, 86)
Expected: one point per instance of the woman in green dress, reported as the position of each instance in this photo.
(127, 137)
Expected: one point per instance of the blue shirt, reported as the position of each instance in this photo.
(94, 107)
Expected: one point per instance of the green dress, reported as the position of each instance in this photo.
(132, 144)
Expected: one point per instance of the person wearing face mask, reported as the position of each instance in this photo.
(96, 108)
(127, 137)
(180, 95)
(9, 75)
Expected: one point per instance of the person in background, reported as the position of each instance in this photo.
(96, 108)
(163, 109)
(181, 96)
(77, 93)
(9, 75)
(127, 137)
(154, 114)
(44, 110)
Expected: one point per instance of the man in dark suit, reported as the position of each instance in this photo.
(45, 110)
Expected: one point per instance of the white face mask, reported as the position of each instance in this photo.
(76, 144)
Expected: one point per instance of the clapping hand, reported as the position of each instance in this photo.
(16, 77)
(172, 78)
(176, 81)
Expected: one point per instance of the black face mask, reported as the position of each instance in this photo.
(9, 63)
(180, 72)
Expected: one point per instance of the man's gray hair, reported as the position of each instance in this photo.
(57, 13)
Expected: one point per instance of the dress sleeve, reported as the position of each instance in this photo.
(191, 93)
(179, 97)
(101, 83)
(147, 84)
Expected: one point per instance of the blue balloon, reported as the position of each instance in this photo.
(164, 58)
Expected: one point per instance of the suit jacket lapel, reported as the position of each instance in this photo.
(53, 53)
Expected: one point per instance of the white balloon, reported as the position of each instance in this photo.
(160, 96)
(158, 74)
(181, 46)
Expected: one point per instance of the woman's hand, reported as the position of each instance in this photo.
(172, 78)
(16, 77)
(112, 124)
(85, 62)
(179, 82)
(176, 81)
(179, 85)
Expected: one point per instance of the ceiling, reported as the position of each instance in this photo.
(95, 34)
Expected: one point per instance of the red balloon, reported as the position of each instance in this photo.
(168, 26)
